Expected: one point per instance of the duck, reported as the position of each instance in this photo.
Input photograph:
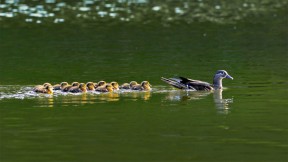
(128, 85)
(60, 86)
(105, 88)
(41, 86)
(90, 86)
(67, 87)
(197, 85)
(115, 85)
(100, 83)
(78, 89)
(48, 89)
(144, 86)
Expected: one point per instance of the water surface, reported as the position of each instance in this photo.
(247, 121)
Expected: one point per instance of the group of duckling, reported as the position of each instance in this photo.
(101, 86)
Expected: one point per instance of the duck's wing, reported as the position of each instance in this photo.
(176, 83)
(196, 84)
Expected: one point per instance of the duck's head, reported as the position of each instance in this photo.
(82, 86)
(109, 87)
(63, 84)
(133, 83)
(90, 85)
(146, 85)
(115, 85)
(49, 89)
(221, 74)
(75, 84)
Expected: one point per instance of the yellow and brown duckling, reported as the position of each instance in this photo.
(78, 89)
(115, 85)
(100, 83)
(90, 86)
(41, 86)
(128, 85)
(66, 88)
(60, 86)
(44, 89)
(144, 86)
(105, 88)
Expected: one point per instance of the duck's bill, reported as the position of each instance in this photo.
(229, 77)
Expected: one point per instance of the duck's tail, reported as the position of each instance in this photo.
(174, 82)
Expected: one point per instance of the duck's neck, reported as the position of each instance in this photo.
(217, 83)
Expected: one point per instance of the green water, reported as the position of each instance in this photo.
(247, 122)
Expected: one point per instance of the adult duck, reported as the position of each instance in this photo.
(197, 85)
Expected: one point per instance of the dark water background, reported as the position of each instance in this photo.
(245, 122)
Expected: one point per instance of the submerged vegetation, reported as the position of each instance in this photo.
(24, 12)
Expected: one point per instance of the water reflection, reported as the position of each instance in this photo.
(221, 104)
(145, 11)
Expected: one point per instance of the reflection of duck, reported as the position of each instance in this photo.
(128, 85)
(60, 86)
(78, 89)
(90, 86)
(176, 95)
(115, 85)
(66, 88)
(221, 104)
(197, 85)
(43, 89)
(105, 88)
(144, 86)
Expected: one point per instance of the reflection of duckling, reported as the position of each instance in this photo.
(78, 89)
(128, 85)
(66, 88)
(115, 85)
(144, 86)
(60, 86)
(100, 83)
(47, 89)
(90, 86)
(105, 88)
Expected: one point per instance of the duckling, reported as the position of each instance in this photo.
(100, 83)
(197, 85)
(47, 89)
(90, 86)
(41, 86)
(60, 86)
(115, 85)
(144, 86)
(105, 88)
(128, 85)
(66, 88)
(77, 89)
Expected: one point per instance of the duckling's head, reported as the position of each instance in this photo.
(90, 85)
(133, 83)
(146, 85)
(63, 84)
(115, 85)
(46, 84)
(49, 89)
(221, 74)
(75, 84)
(109, 87)
(101, 83)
